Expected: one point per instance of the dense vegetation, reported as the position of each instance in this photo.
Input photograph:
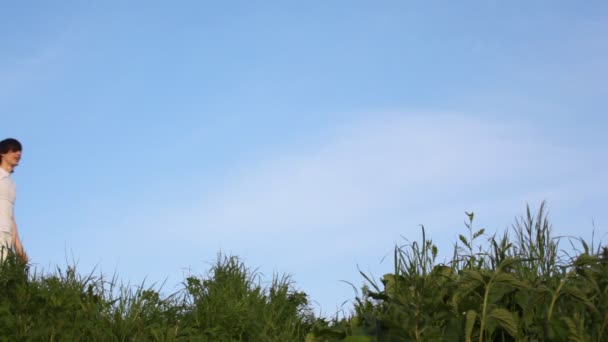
(228, 304)
(496, 288)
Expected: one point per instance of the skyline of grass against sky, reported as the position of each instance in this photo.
(306, 138)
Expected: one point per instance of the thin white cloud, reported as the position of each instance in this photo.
(371, 165)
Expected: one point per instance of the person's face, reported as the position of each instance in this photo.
(12, 158)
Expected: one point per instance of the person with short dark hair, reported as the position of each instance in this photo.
(10, 154)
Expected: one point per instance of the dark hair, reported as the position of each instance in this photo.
(9, 145)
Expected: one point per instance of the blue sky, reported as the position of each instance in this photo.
(305, 137)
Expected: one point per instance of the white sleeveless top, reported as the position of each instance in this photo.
(7, 201)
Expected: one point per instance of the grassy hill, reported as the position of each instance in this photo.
(518, 286)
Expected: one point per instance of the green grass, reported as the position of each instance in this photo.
(517, 286)
(493, 289)
(227, 304)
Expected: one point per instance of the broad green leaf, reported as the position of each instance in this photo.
(463, 239)
(310, 337)
(472, 276)
(358, 339)
(575, 334)
(578, 294)
(506, 263)
(497, 292)
(509, 279)
(585, 259)
(558, 330)
(585, 246)
(468, 330)
(471, 215)
(505, 320)
(479, 233)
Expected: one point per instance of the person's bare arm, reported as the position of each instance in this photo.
(17, 242)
